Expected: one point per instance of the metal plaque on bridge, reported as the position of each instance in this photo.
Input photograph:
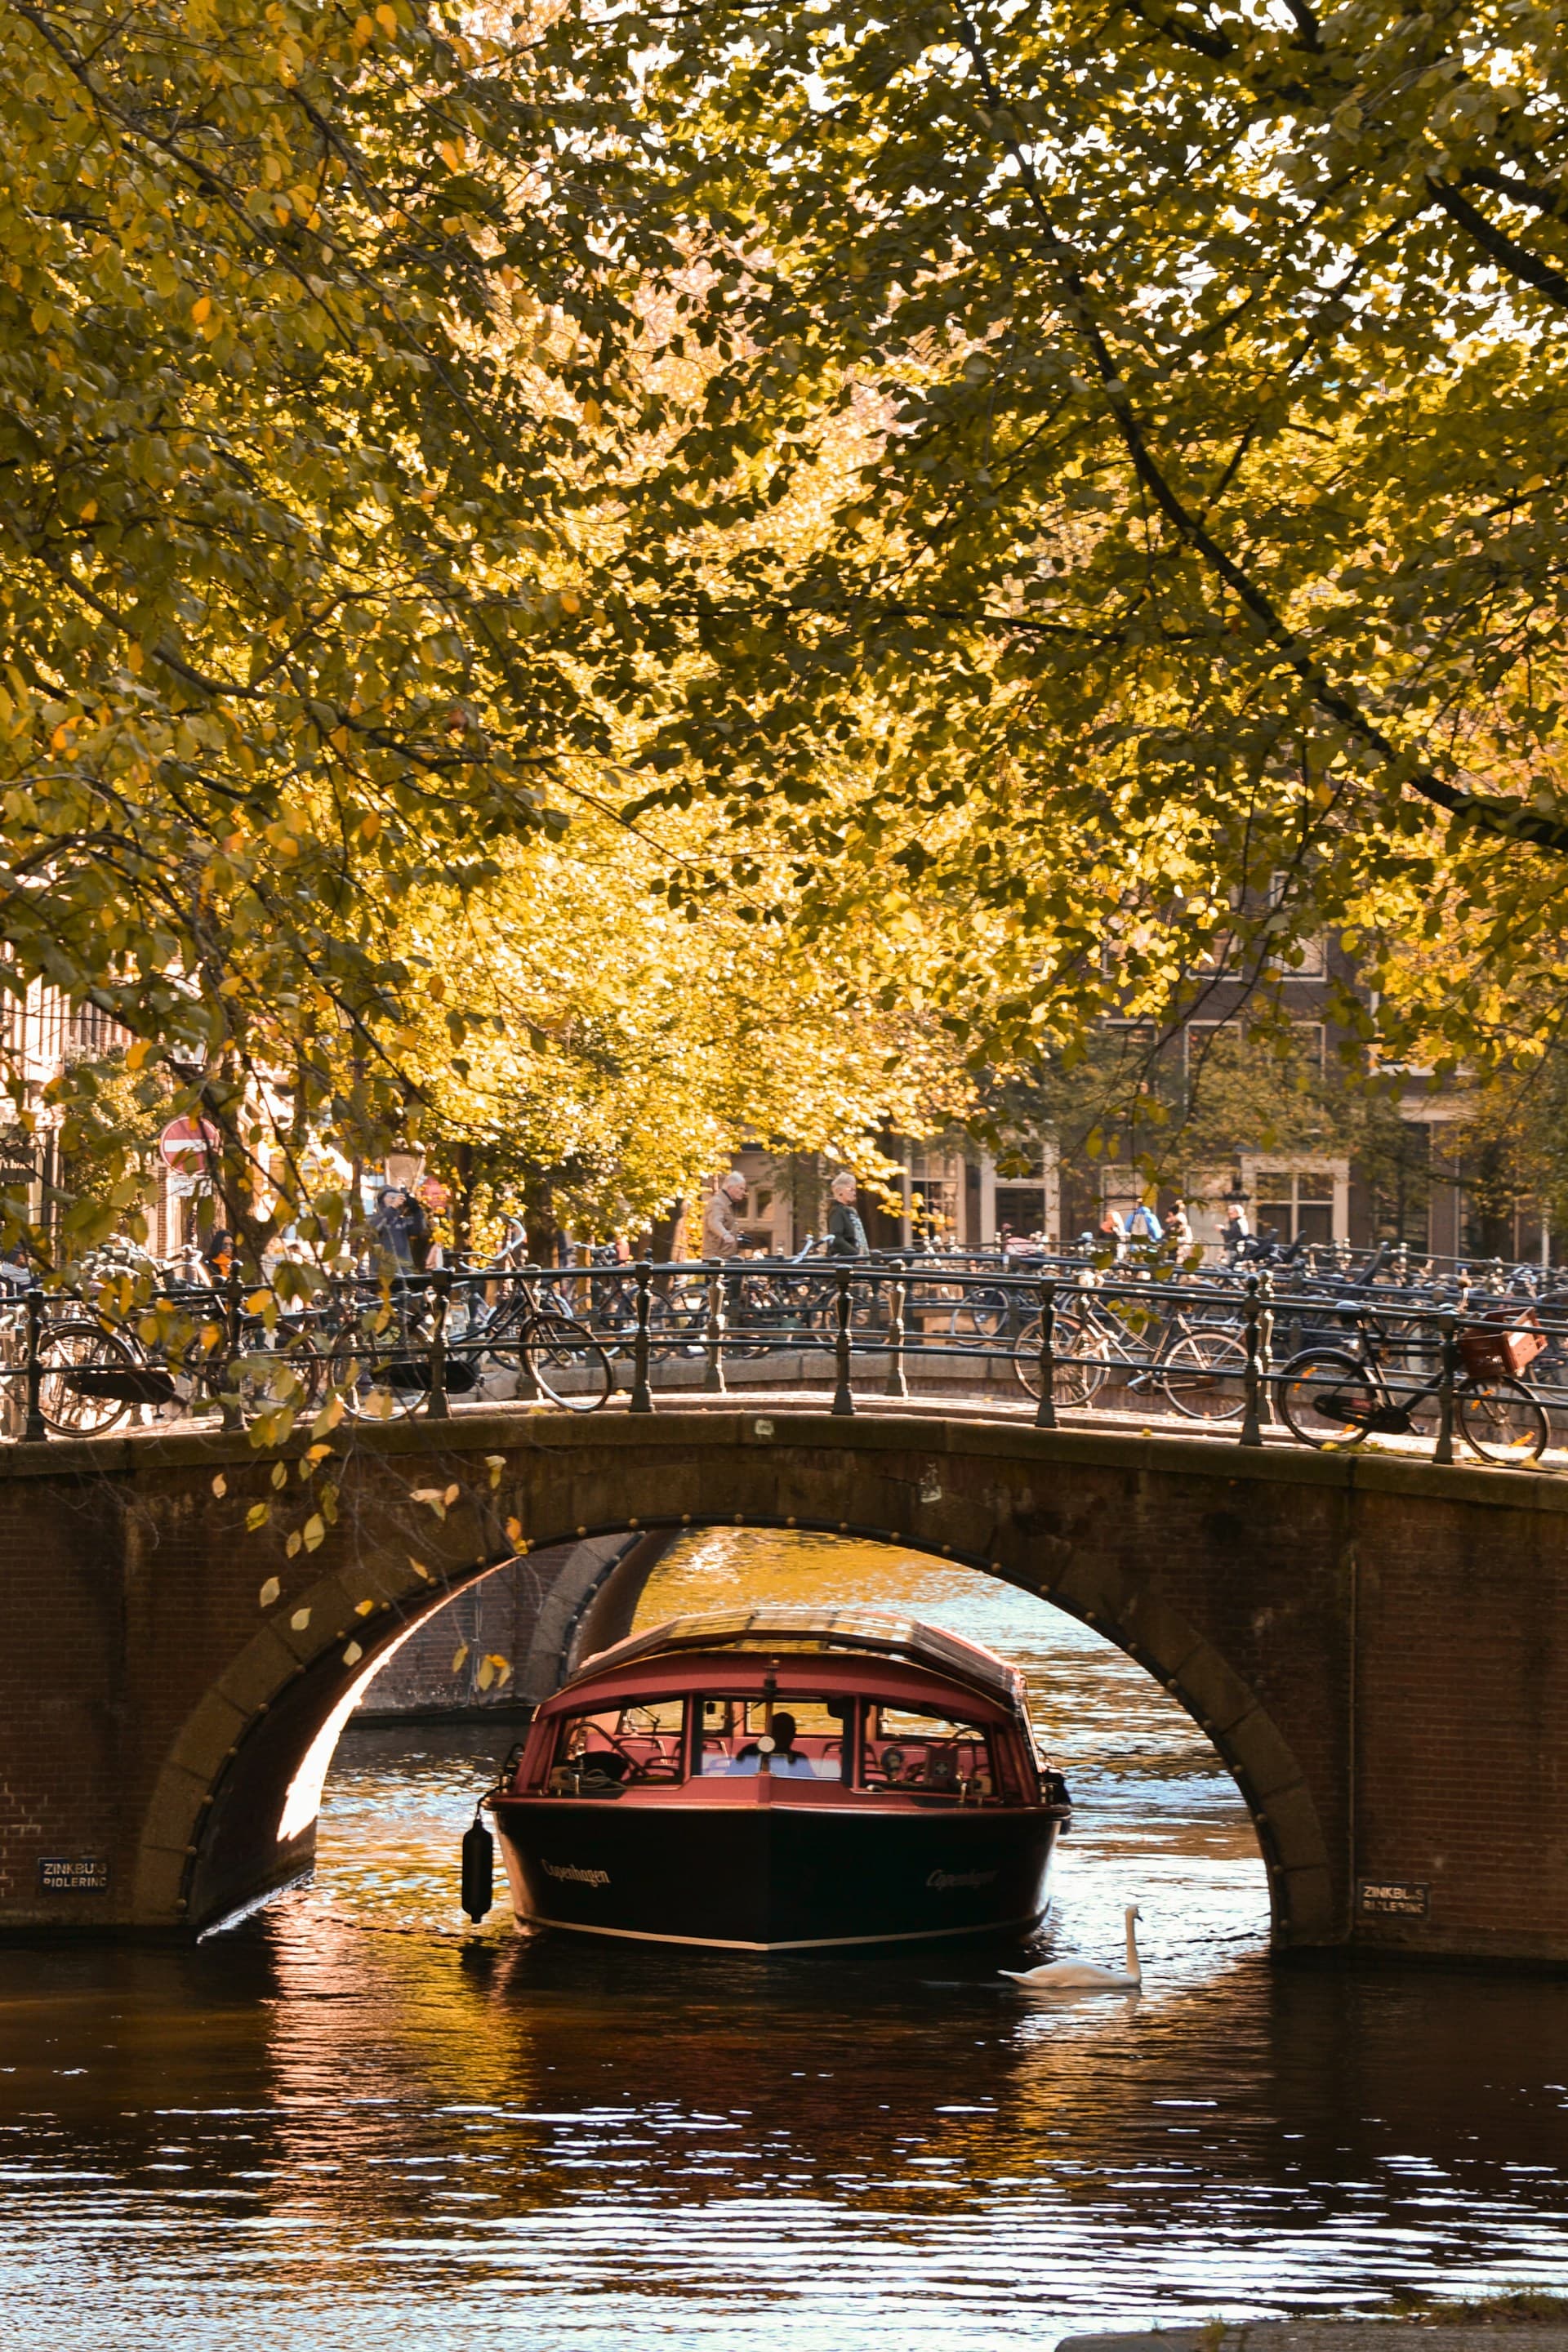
(72, 1874)
(1401, 1898)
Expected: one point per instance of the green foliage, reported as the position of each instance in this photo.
(307, 324)
(1213, 529)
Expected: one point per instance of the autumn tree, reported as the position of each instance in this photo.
(1214, 530)
(310, 319)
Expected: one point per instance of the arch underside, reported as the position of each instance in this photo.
(209, 1847)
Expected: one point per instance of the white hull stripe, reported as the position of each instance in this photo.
(798, 1944)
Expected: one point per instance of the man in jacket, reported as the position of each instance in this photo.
(721, 1236)
(402, 1228)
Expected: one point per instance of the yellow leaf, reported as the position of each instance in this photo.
(269, 1592)
(460, 1659)
(314, 1531)
(364, 1608)
(451, 1493)
(419, 1567)
(257, 1516)
(299, 1620)
(486, 1674)
(293, 1546)
(514, 1531)
(500, 1667)
(259, 1302)
(332, 1413)
(368, 826)
(281, 1473)
(220, 1485)
(89, 510)
(387, 20)
(202, 310)
(353, 1655)
(495, 1463)
(364, 29)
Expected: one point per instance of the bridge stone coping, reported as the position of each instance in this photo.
(1352, 1632)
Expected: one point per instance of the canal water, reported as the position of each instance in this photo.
(349, 2124)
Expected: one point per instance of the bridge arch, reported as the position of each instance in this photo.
(247, 1802)
(1376, 1648)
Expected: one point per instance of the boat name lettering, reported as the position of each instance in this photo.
(579, 1876)
(945, 1879)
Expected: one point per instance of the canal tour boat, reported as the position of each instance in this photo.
(783, 1780)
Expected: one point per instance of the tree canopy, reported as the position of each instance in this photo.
(1206, 573)
(1075, 493)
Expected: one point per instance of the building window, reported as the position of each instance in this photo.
(1295, 1205)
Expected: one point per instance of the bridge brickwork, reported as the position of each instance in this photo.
(1377, 1649)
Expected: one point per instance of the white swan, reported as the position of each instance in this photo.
(1083, 1975)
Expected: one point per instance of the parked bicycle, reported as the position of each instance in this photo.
(1332, 1397)
(382, 1356)
(1162, 1347)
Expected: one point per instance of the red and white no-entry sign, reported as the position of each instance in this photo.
(185, 1142)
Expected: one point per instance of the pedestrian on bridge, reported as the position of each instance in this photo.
(721, 1235)
(846, 1233)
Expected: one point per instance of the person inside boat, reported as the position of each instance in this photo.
(785, 1757)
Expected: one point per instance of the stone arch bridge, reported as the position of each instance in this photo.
(1377, 1649)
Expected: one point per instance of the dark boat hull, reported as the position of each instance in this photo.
(774, 1877)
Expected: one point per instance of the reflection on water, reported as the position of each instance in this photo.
(348, 2123)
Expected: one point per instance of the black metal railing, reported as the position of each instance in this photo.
(1247, 1359)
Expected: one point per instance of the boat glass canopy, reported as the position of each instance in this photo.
(810, 1632)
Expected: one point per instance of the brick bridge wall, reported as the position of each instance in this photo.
(1377, 1649)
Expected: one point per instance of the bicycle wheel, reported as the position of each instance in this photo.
(569, 1364)
(1205, 1376)
(1079, 1361)
(979, 1318)
(1500, 1419)
(89, 1375)
(1315, 1390)
(271, 1369)
(380, 1375)
(678, 1322)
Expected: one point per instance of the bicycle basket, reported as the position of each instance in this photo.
(1504, 1347)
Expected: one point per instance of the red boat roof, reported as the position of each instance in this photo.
(805, 1630)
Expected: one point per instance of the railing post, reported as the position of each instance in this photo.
(1252, 1419)
(440, 1406)
(713, 1382)
(527, 1378)
(35, 1431)
(1266, 1411)
(233, 1309)
(642, 1393)
(843, 1394)
(1045, 1411)
(1449, 1323)
(896, 1383)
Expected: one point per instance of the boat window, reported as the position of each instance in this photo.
(620, 1746)
(731, 1728)
(938, 1755)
